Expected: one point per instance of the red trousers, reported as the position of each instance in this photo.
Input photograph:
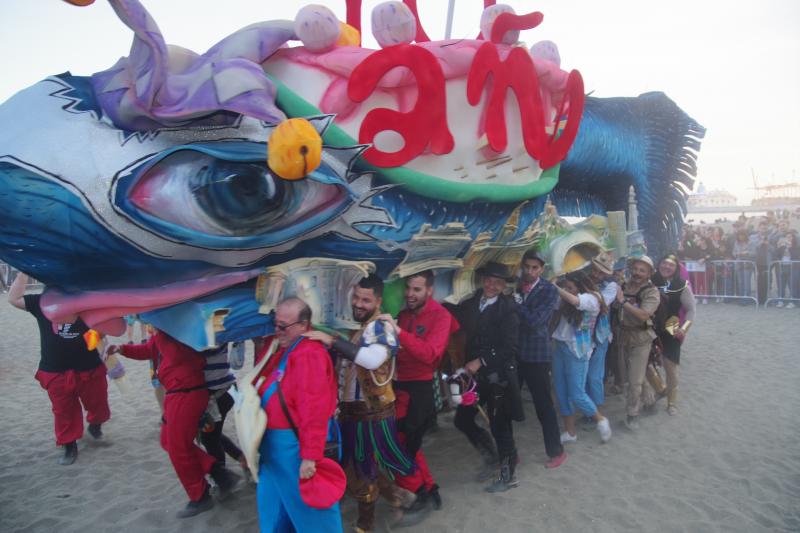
(421, 476)
(67, 391)
(182, 412)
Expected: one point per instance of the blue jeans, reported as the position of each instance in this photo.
(597, 373)
(569, 377)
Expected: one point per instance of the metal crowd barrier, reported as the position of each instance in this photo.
(784, 283)
(728, 279)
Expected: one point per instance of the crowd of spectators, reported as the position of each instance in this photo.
(757, 258)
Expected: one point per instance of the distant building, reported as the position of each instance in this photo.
(781, 195)
(715, 198)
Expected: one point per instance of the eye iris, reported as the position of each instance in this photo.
(239, 196)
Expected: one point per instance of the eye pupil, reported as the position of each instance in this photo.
(239, 195)
(304, 150)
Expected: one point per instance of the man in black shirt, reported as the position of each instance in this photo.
(70, 373)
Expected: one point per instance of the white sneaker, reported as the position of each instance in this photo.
(566, 437)
(604, 429)
(790, 305)
(779, 304)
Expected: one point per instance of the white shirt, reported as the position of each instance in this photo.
(609, 292)
(486, 302)
(565, 331)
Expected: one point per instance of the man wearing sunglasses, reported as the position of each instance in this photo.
(299, 389)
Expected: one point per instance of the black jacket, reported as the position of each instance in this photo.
(492, 335)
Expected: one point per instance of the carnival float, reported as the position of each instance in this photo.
(290, 160)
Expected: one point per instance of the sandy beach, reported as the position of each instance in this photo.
(729, 461)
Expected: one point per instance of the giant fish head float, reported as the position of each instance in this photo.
(200, 189)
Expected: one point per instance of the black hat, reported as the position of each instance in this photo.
(533, 254)
(496, 270)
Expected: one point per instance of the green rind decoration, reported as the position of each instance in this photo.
(418, 182)
(393, 297)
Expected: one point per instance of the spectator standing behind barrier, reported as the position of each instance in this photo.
(762, 251)
(723, 271)
(743, 272)
(788, 253)
(72, 375)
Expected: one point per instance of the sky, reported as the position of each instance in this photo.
(733, 66)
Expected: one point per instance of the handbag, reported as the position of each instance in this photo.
(250, 417)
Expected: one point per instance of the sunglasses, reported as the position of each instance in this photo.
(284, 327)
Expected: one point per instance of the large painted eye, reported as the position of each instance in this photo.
(196, 196)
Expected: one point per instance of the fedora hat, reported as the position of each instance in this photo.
(496, 270)
(604, 262)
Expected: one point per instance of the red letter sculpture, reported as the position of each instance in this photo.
(425, 124)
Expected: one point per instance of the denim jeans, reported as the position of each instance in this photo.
(569, 377)
(597, 373)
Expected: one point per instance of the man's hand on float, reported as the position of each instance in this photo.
(321, 336)
(112, 348)
(473, 366)
(307, 468)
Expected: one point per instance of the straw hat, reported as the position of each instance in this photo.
(643, 259)
(604, 262)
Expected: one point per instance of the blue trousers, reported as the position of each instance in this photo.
(280, 507)
(569, 378)
(596, 374)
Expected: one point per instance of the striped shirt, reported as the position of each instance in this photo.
(218, 369)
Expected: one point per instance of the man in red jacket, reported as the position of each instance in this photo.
(180, 370)
(424, 328)
(299, 394)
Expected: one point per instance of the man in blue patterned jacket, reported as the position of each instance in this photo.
(537, 300)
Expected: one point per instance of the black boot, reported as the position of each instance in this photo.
(422, 503)
(366, 516)
(196, 507)
(224, 479)
(70, 454)
(485, 446)
(436, 499)
(96, 431)
(506, 480)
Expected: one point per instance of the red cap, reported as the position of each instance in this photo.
(325, 487)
